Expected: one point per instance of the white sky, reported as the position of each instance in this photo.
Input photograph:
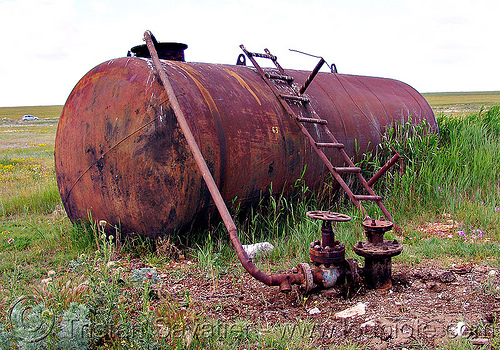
(432, 45)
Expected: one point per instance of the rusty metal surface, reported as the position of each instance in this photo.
(309, 277)
(353, 274)
(328, 216)
(382, 250)
(376, 226)
(310, 78)
(327, 232)
(378, 272)
(121, 156)
(328, 256)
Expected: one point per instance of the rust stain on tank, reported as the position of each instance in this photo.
(243, 83)
(206, 95)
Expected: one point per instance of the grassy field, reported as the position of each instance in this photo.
(486, 98)
(77, 273)
(42, 112)
(459, 103)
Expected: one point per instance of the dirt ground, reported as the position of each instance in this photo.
(424, 306)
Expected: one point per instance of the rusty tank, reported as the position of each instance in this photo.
(121, 157)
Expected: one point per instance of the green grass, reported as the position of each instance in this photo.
(453, 176)
(34, 226)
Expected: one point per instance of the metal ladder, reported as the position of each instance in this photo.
(312, 117)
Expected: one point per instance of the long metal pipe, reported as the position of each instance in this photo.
(283, 280)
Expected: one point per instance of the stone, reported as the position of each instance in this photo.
(253, 249)
(314, 311)
(357, 310)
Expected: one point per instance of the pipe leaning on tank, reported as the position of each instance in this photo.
(121, 155)
(285, 281)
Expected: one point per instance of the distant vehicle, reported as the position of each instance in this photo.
(29, 117)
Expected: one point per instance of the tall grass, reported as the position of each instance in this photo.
(444, 172)
(28, 180)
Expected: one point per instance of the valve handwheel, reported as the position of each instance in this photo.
(328, 216)
(328, 251)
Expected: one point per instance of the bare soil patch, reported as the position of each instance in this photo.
(424, 306)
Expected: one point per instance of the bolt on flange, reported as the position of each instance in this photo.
(377, 253)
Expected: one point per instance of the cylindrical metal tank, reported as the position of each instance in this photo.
(120, 155)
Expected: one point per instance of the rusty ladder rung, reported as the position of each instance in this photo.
(286, 78)
(348, 169)
(295, 98)
(330, 144)
(263, 55)
(312, 120)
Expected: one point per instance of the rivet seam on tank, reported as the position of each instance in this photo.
(243, 83)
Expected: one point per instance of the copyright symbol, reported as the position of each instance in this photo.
(32, 321)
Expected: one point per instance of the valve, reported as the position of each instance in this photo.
(328, 251)
(377, 253)
(327, 255)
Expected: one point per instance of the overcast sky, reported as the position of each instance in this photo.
(432, 45)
